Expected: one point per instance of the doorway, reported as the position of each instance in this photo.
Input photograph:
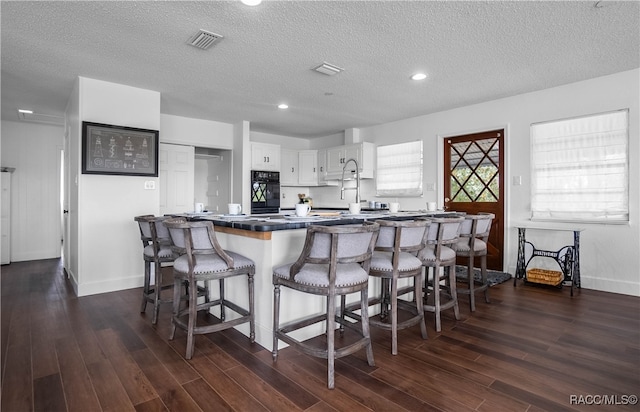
(474, 182)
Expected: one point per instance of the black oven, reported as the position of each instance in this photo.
(265, 192)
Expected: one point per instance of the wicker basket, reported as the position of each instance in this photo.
(548, 277)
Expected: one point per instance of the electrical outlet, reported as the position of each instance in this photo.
(431, 187)
(517, 180)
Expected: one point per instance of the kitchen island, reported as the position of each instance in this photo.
(272, 240)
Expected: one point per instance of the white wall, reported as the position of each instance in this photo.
(196, 132)
(34, 150)
(609, 253)
(109, 247)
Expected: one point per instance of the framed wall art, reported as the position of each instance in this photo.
(119, 150)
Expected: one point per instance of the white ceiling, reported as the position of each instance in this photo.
(472, 51)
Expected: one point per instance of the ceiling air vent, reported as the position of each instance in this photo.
(204, 39)
(41, 118)
(328, 69)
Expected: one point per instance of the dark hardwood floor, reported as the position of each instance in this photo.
(531, 349)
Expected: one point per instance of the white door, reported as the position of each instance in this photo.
(176, 178)
(66, 202)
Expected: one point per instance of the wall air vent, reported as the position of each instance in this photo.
(204, 39)
(328, 69)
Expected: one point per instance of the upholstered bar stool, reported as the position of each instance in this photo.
(395, 257)
(202, 259)
(474, 234)
(157, 250)
(443, 233)
(334, 262)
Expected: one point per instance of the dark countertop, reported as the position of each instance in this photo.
(269, 223)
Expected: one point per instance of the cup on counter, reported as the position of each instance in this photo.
(198, 207)
(235, 208)
(432, 206)
(393, 207)
(354, 208)
(302, 209)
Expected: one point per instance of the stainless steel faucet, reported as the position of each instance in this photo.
(357, 188)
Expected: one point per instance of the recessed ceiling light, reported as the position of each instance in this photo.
(283, 106)
(25, 111)
(251, 2)
(419, 76)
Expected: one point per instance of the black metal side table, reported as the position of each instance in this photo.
(567, 257)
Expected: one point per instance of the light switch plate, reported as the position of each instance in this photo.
(149, 185)
(516, 180)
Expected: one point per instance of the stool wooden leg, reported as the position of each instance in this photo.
(157, 270)
(146, 287)
(276, 320)
(452, 290)
(331, 354)
(193, 313)
(222, 308)
(470, 276)
(483, 269)
(394, 315)
(177, 290)
(366, 332)
(417, 283)
(252, 316)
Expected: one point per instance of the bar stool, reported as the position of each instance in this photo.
(203, 259)
(443, 232)
(395, 257)
(334, 262)
(157, 250)
(474, 233)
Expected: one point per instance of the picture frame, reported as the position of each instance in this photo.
(119, 150)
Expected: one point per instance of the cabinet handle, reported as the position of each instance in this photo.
(321, 169)
(292, 170)
(268, 161)
(264, 159)
(314, 170)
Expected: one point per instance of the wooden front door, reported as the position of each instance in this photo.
(474, 182)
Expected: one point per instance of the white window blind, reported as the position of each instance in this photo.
(399, 170)
(580, 168)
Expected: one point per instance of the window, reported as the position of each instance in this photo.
(399, 170)
(580, 168)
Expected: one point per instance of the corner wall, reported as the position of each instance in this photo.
(109, 247)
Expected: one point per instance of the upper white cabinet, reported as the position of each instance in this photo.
(308, 165)
(299, 167)
(289, 167)
(265, 156)
(363, 153)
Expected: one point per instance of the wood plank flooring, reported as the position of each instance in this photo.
(531, 349)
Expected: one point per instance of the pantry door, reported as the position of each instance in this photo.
(474, 182)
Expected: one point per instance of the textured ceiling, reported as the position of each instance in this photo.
(472, 51)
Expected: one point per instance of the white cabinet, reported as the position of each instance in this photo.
(265, 156)
(363, 153)
(289, 167)
(308, 167)
(5, 225)
(298, 167)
